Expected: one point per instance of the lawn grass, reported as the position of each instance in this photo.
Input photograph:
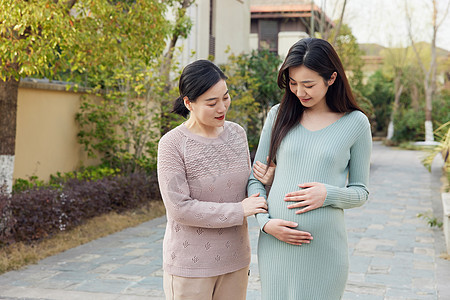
(18, 255)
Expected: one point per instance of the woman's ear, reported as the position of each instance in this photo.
(332, 78)
(187, 103)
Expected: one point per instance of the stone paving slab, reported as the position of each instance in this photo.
(393, 253)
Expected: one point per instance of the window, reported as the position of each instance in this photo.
(268, 35)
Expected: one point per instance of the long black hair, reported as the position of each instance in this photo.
(195, 80)
(317, 55)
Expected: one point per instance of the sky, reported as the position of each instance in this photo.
(384, 22)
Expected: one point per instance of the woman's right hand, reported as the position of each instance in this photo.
(254, 205)
(264, 173)
(284, 231)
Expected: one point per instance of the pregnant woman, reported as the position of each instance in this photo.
(320, 141)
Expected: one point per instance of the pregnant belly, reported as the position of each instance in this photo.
(326, 220)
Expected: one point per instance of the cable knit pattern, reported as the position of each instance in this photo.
(338, 156)
(202, 182)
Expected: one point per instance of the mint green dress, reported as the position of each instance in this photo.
(337, 156)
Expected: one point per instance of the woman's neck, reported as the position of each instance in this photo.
(200, 129)
(316, 119)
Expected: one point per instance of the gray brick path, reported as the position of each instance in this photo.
(393, 253)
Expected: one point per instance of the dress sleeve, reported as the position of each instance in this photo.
(254, 185)
(175, 193)
(356, 192)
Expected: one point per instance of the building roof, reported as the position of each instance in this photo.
(279, 2)
(286, 9)
(282, 8)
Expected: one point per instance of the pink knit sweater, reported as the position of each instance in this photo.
(202, 182)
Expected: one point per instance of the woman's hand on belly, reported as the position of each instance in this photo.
(284, 231)
(311, 196)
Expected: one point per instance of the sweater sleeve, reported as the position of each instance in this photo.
(175, 192)
(355, 193)
(254, 185)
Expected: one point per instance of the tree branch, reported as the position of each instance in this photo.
(340, 23)
(411, 39)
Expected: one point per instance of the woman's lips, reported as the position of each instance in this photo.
(221, 117)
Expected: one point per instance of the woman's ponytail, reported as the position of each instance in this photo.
(179, 108)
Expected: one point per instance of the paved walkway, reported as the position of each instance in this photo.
(393, 253)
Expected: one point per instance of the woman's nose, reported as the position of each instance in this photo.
(300, 92)
(222, 107)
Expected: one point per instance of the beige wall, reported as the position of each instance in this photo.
(288, 38)
(231, 29)
(196, 45)
(46, 138)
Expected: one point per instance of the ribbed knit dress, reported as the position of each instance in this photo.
(202, 182)
(337, 156)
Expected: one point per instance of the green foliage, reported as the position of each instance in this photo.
(348, 50)
(34, 35)
(409, 125)
(111, 46)
(441, 108)
(365, 104)
(123, 127)
(431, 219)
(409, 122)
(117, 40)
(379, 90)
(45, 38)
(244, 109)
(252, 83)
(443, 135)
(21, 185)
(121, 123)
(91, 173)
(264, 66)
(183, 24)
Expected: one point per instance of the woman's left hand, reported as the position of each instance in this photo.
(311, 196)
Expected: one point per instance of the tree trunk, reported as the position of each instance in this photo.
(430, 85)
(398, 93)
(415, 97)
(429, 136)
(430, 75)
(8, 113)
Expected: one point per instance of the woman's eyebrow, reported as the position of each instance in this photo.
(304, 81)
(215, 98)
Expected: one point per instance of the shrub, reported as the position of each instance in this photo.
(7, 222)
(21, 185)
(443, 147)
(252, 83)
(379, 90)
(87, 173)
(410, 124)
(39, 212)
(36, 213)
(56, 181)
